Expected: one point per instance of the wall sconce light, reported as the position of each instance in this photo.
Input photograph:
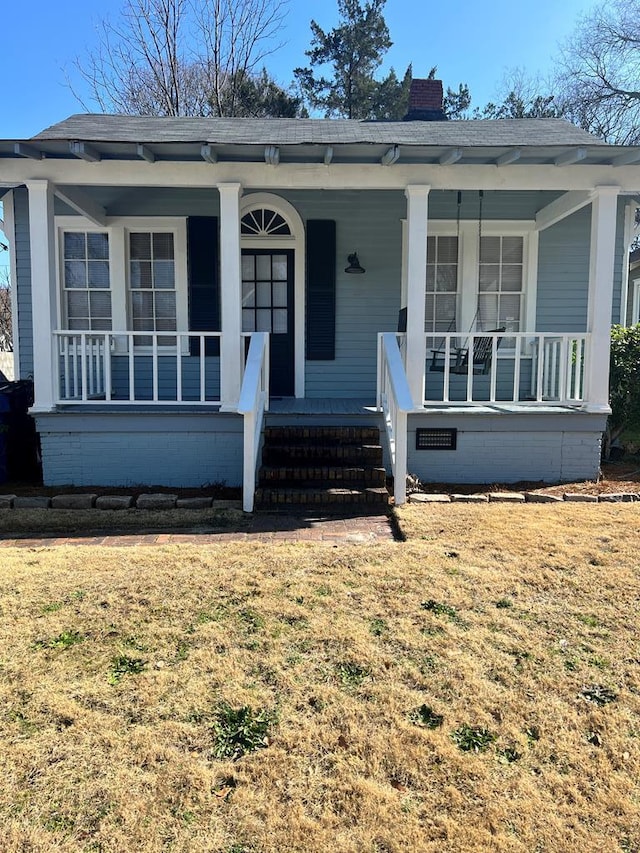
(354, 267)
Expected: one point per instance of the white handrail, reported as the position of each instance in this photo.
(86, 367)
(394, 400)
(253, 402)
(558, 367)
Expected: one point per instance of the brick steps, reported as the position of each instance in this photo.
(321, 466)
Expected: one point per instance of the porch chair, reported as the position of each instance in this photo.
(482, 353)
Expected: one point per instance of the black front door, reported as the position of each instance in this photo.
(267, 306)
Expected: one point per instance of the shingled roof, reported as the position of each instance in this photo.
(275, 131)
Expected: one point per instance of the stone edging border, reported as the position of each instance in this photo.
(88, 501)
(526, 497)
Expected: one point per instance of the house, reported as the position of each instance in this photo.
(182, 282)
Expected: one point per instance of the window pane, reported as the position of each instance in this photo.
(163, 275)
(446, 311)
(98, 246)
(248, 320)
(264, 296)
(279, 267)
(263, 267)
(511, 277)
(280, 294)
(431, 250)
(101, 325)
(487, 311)
(447, 250)
(490, 250)
(166, 306)
(447, 278)
(163, 325)
(489, 276)
(142, 305)
(100, 303)
(163, 247)
(141, 274)
(81, 323)
(512, 250)
(98, 274)
(78, 304)
(510, 312)
(140, 246)
(75, 274)
(431, 278)
(248, 268)
(429, 312)
(74, 245)
(280, 321)
(248, 294)
(263, 320)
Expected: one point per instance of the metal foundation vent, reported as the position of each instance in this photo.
(436, 439)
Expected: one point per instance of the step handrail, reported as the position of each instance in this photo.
(395, 402)
(253, 402)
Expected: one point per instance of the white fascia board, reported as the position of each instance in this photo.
(317, 176)
(561, 208)
(82, 204)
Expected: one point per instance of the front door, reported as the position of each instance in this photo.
(267, 306)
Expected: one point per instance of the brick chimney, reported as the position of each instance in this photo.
(425, 101)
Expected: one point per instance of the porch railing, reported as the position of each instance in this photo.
(519, 367)
(393, 398)
(138, 367)
(254, 401)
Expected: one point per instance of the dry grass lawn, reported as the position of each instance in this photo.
(476, 688)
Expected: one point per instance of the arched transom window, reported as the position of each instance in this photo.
(264, 222)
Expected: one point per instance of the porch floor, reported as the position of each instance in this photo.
(322, 406)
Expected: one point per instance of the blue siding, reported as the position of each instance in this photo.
(23, 284)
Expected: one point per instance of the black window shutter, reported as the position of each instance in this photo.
(321, 289)
(204, 281)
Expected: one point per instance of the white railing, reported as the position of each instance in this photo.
(135, 367)
(554, 367)
(393, 399)
(254, 401)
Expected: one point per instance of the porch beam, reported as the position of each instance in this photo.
(509, 157)
(272, 155)
(230, 296)
(208, 154)
(43, 292)
(463, 176)
(574, 155)
(561, 208)
(145, 153)
(450, 157)
(83, 204)
(390, 156)
(85, 152)
(417, 221)
(24, 150)
(601, 270)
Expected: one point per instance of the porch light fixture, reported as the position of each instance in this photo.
(354, 267)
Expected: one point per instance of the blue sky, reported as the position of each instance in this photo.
(470, 42)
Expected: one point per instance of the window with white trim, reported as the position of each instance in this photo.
(501, 283)
(442, 283)
(152, 285)
(86, 280)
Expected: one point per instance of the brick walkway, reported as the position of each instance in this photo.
(262, 528)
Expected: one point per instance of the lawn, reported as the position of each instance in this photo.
(475, 688)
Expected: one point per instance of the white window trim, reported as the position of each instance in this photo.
(468, 259)
(635, 316)
(118, 228)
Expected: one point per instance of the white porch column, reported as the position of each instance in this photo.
(601, 264)
(230, 296)
(416, 265)
(43, 293)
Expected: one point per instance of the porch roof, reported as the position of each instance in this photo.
(500, 141)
